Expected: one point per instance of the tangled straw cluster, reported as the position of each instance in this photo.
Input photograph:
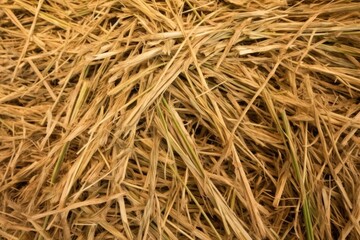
(179, 119)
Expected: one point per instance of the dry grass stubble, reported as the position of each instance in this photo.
(179, 119)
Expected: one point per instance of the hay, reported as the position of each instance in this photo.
(178, 119)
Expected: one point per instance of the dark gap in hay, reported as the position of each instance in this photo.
(254, 117)
(135, 171)
(290, 113)
(275, 84)
(112, 21)
(99, 231)
(248, 42)
(164, 144)
(163, 189)
(178, 40)
(90, 97)
(357, 100)
(313, 130)
(127, 53)
(331, 79)
(20, 185)
(16, 102)
(134, 92)
(29, 235)
(70, 217)
(78, 231)
(74, 147)
(290, 217)
(35, 51)
(73, 80)
(117, 82)
(91, 70)
(182, 77)
(106, 104)
(179, 162)
(198, 130)
(162, 10)
(54, 82)
(212, 81)
(221, 92)
(335, 231)
(127, 202)
(187, 10)
(213, 140)
(242, 103)
(84, 196)
(114, 208)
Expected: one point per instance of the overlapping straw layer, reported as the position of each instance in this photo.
(179, 119)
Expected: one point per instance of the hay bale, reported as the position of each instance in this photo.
(142, 119)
